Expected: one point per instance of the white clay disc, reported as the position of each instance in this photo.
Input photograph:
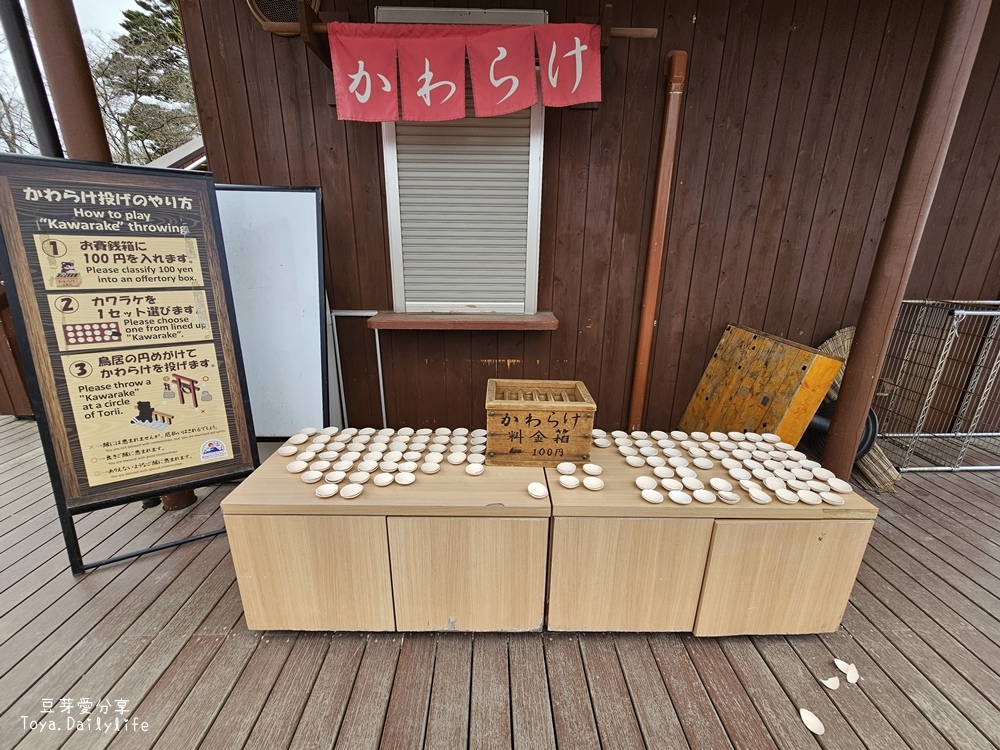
(718, 483)
(786, 496)
(326, 490)
(652, 496)
(679, 497)
(538, 490)
(693, 483)
(350, 491)
(704, 496)
(838, 485)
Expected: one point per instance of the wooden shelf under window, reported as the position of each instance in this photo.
(543, 321)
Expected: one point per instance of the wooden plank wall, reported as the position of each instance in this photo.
(959, 253)
(13, 392)
(795, 121)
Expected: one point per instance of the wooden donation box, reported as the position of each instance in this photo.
(761, 383)
(448, 552)
(620, 563)
(538, 422)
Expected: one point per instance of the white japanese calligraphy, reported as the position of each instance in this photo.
(356, 79)
(424, 92)
(576, 52)
(497, 82)
(363, 74)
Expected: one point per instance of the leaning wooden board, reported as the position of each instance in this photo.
(621, 563)
(760, 382)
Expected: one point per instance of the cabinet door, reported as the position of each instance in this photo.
(780, 576)
(626, 574)
(312, 572)
(468, 573)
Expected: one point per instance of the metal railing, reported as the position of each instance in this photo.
(937, 399)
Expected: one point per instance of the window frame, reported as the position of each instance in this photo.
(534, 187)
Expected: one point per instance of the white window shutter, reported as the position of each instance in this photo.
(464, 207)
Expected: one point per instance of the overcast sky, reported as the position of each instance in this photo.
(104, 16)
(95, 16)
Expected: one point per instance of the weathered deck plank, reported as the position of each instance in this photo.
(448, 715)
(165, 633)
(531, 709)
(489, 714)
(325, 706)
(697, 715)
(365, 715)
(616, 721)
(571, 707)
(406, 719)
(653, 708)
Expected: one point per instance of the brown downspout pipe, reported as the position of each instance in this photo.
(934, 121)
(676, 70)
(67, 73)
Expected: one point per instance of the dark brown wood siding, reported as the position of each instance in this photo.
(796, 117)
(13, 391)
(958, 254)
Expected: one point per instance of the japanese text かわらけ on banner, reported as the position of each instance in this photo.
(431, 68)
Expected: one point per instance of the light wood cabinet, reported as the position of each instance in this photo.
(455, 552)
(626, 574)
(449, 552)
(767, 577)
(621, 563)
(468, 573)
(312, 572)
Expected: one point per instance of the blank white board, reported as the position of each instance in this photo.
(273, 246)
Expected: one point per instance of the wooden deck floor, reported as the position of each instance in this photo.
(162, 639)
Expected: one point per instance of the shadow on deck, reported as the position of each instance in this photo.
(160, 642)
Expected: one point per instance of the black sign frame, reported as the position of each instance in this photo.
(182, 201)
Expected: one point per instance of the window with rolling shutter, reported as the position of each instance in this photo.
(464, 200)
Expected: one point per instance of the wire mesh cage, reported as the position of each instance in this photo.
(937, 399)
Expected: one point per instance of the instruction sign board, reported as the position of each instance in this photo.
(118, 283)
